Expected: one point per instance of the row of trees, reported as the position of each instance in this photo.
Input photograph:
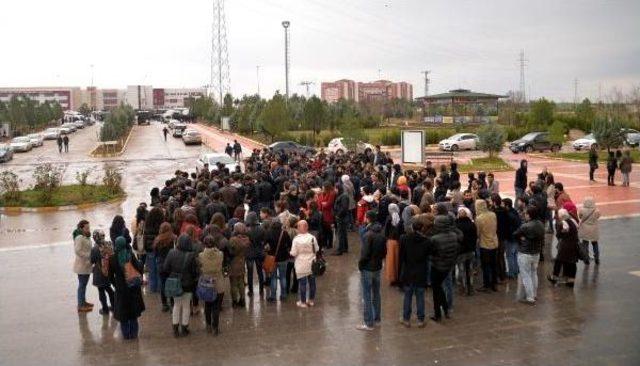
(26, 115)
(117, 123)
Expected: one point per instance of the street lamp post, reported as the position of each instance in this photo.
(285, 25)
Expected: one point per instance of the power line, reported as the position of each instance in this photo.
(575, 91)
(285, 25)
(523, 61)
(426, 82)
(306, 84)
(220, 82)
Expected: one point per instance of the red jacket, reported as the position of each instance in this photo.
(325, 202)
(362, 208)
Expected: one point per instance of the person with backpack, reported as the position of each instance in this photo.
(210, 265)
(129, 305)
(372, 253)
(180, 266)
(100, 255)
(303, 249)
(82, 263)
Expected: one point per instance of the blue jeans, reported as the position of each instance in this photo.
(311, 279)
(511, 247)
(152, 266)
(129, 328)
(281, 274)
(447, 286)
(528, 277)
(428, 269)
(409, 291)
(361, 231)
(371, 296)
(83, 280)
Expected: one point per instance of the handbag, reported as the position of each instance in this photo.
(319, 264)
(269, 264)
(206, 289)
(132, 277)
(173, 284)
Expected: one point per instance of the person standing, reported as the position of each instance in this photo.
(343, 218)
(151, 229)
(520, 183)
(129, 303)
(181, 262)
(588, 229)
(278, 245)
(162, 244)
(165, 132)
(210, 262)
(487, 225)
(326, 200)
(567, 234)
(100, 255)
(530, 238)
(626, 164)
(372, 252)
(392, 230)
(60, 142)
(593, 161)
(493, 186)
(414, 255)
(65, 140)
(303, 249)
(239, 245)
(82, 264)
(511, 244)
(612, 165)
(237, 150)
(229, 149)
(255, 255)
(465, 224)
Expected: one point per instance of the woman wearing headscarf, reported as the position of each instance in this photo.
(567, 234)
(100, 254)
(239, 245)
(151, 229)
(210, 264)
(162, 244)
(137, 227)
(392, 230)
(181, 261)
(129, 304)
(588, 230)
(119, 228)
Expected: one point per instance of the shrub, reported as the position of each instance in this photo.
(390, 138)
(112, 178)
(491, 138)
(82, 177)
(47, 179)
(435, 135)
(10, 186)
(557, 131)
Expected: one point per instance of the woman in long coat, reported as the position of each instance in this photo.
(588, 230)
(567, 234)
(129, 304)
(393, 230)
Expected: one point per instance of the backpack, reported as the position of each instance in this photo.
(104, 265)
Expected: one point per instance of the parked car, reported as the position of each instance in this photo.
(213, 159)
(51, 133)
(78, 124)
(36, 139)
(70, 126)
(632, 137)
(65, 130)
(339, 145)
(6, 154)
(585, 142)
(21, 144)
(459, 141)
(178, 129)
(191, 137)
(534, 141)
(290, 146)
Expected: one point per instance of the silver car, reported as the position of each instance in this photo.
(51, 133)
(21, 144)
(36, 139)
(70, 126)
(459, 141)
(191, 137)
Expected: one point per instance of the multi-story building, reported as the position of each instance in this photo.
(167, 98)
(111, 98)
(67, 97)
(331, 92)
(139, 96)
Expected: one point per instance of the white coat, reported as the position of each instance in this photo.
(303, 249)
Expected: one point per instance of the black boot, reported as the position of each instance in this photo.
(185, 330)
(176, 332)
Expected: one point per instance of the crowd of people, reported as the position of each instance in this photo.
(209, 231)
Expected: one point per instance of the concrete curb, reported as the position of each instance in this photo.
(237, 134)
(83, 206)
(122, 151)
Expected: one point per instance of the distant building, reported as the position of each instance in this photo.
(110, 98)
(139, 96)
(67, 97)
(331, 92)
(460, 106)
(166, 98)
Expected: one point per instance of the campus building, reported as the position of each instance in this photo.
(460, 106)
(168, 98)
(379, 90)
(67, 97)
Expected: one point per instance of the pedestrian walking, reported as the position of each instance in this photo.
(229, 149)
(165, 132)
(210, 264)
(129, 303)
(65, 140)
(60, 142)
(626, 165)
(304, 248)
(100, 255)
(239, 245)
(237, 150)
(372, 252)
(588, 229)
(593, 161)
(82, 264)
(520, 183)
(162, 244)
(530, 239)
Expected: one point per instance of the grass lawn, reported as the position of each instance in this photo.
(486, 164)
(64, 196)
(584, 156)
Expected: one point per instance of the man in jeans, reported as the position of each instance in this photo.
(531, 235)
(414, 256)
(373, 251)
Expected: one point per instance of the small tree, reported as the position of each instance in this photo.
(313, 113)
(112, 178)
(491, 138)
(607, 133)
(10, 186)
(82, 177)
(84, 110)
(274, 116)
(541, 113)
(556, 132)
(47, 178)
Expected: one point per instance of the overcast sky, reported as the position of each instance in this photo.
(470, 44)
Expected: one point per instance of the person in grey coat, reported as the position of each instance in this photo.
(588, 230)
(102, 250)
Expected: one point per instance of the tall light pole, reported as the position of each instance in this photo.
(285, 25)
(258, 78)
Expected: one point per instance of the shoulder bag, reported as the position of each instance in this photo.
(132, 277)
(206, 289)
(319, 265)
(269, 264)
(173, 284)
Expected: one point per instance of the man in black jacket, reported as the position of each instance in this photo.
(373, 251)
(343, 219)
(445, 246)
(531, 239)
(520, 184)
(414, 255)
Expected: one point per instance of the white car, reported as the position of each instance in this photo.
(459, 141)
(51, 133)
(36, 139)
(191, 137)
(337, 146)
(70, 126)
(21, 144)
(213, 159)
(584, 143)
(65, 130)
